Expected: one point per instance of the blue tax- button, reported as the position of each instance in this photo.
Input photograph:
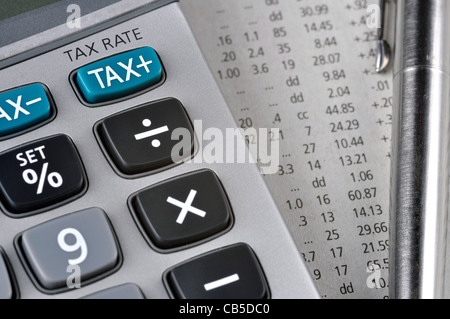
(119, 76)
(23, 108)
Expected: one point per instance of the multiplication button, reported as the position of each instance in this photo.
(183, 211)
(70, 251)
(40, 175)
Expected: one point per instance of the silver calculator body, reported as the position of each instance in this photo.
(255, 222)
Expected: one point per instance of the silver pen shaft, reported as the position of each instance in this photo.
(420, 149)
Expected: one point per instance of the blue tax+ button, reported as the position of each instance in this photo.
(23, 108)
(120, 75)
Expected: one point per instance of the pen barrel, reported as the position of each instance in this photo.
(422, 30)
(420, 150)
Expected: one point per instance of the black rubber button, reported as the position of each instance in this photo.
(183, 210)
(39, 175)
(232, 272)
(139, 140)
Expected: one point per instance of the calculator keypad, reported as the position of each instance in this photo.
(71, 250)
(164, 213)
(39, 175)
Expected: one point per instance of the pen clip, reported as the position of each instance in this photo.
(384, 52)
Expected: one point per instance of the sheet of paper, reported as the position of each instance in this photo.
(307, 67)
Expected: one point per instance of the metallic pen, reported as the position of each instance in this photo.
(420, 149)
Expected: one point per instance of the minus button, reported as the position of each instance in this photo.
(231, 272)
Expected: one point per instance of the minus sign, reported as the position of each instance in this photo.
(33, 101)
(221, 282)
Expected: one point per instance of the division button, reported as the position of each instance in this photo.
(182, 211)
(23, 108)
(232, 272)
(119, 76)
(70, 251)
(139, 140)
(39, 175)
(125, 291)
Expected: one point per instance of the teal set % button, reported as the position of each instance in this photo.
(119, 76)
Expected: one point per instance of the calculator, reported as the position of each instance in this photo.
(105, 189)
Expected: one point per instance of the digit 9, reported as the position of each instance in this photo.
(80, 244)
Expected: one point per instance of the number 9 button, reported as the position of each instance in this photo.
(70, 251)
